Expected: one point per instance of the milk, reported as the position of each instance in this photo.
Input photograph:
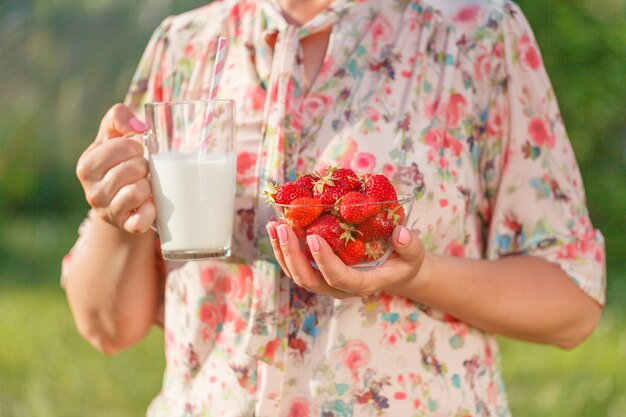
(195, 197)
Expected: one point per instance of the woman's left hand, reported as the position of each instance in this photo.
(335, 278)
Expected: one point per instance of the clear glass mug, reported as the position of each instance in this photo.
(193, 174)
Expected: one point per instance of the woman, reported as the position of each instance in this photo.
(450, 100)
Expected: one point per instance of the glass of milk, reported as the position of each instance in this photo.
(192, 172)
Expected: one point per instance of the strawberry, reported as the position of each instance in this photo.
(379, 187)
(299, 231)
(328, 227)
(348, 232)
(352, 253)
(355, 207)
(307, 252)
(377, 227)
(306, 181)
(395, 212)
(348, 176)
(303, 210)
(286, 193)
(329, 189)
(375, 249)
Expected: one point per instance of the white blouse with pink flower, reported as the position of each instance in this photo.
(450, 100)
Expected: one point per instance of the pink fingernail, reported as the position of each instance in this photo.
(404, 237)
(271, 231)
(282, 234)
(314, 244)
(137, 125)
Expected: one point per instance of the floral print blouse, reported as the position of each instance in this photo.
(450, 100)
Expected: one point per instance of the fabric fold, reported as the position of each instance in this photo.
(282, 130)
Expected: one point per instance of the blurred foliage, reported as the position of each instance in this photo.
(46, 368)
(63, 63)
(583, 43)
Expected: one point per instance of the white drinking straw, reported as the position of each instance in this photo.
(215, 84)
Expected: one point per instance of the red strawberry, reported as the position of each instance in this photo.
(307, 252)
(348, 232)
(329, 189)
(299, 231)
(328, 227)
(377, 227)
(303, 210)
(306, 181)
(352, 253)
(286, 193)
(355, 207)
(348, 176)
(379, 187)
(395, 212)
(375, 249)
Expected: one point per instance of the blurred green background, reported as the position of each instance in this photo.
(64, 62)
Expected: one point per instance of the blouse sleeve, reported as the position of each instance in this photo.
(536, 200)
(145, 87)
(147, 83)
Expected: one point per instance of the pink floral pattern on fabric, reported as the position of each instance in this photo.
(450, 100)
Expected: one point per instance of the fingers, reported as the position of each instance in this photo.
(128, 199)
(142, 218)
(96, 161)
(114, 176)
(407, 244)
(119, 121)
(404, 264)
(298, 267)
(402, 267)
(127, 172)
(278, 253)
(114, 173)
(337, 279)
(337, 274)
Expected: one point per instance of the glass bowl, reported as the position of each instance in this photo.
(358, 233)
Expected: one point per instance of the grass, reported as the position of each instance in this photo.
(586, 381)
(46, 369)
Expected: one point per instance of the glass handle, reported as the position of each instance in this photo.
(151, 147)
(149, 142)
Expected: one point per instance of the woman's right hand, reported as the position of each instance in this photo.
(114, 173)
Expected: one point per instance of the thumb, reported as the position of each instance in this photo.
(119, 121)
(407, 243)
